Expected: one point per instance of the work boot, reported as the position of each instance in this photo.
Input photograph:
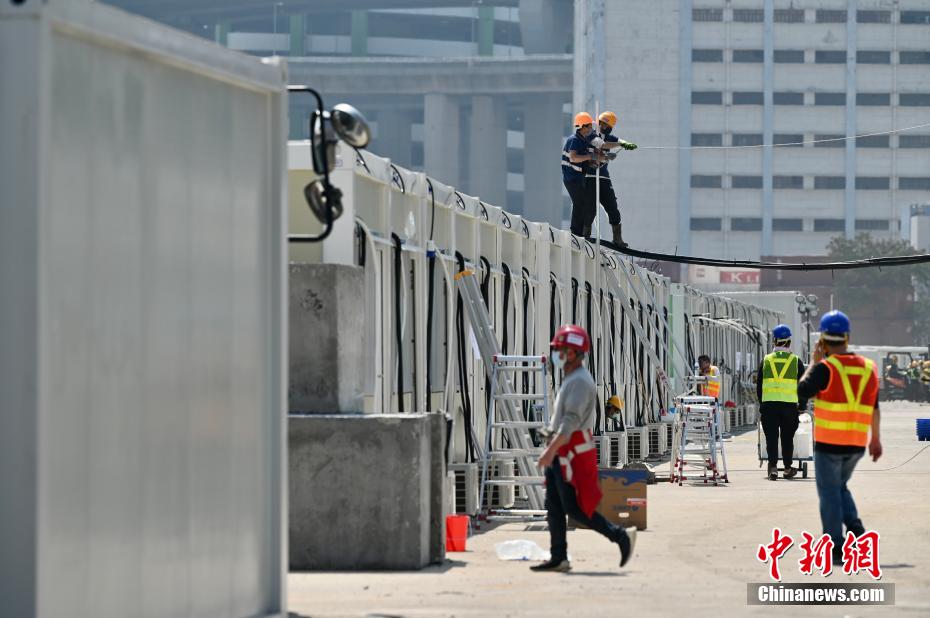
(556, 566)
(627, 543)
(618, 235)
(586, 232)
(856, 528)
(773, 473)
(791, 472)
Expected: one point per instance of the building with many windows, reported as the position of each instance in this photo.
(741, 108)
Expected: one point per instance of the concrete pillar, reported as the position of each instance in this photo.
(485, 30)
(542, 26)
(298, 35)
(545, 132)
(221, 33)
(487, 160)
(441, 138)
(359, 33)
(394, 136)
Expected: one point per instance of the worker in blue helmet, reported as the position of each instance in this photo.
(846, 421)
(777, 390)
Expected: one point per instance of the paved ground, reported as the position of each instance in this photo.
(695, 559)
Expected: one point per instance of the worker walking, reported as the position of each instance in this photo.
(913, 381)
(570, 458)
(605, 140)
(712, 387)
(577, 158)
(777, 391)
(845, 410)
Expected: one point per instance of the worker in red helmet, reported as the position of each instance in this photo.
(570, 458)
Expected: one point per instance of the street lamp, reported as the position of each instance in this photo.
(807, 307)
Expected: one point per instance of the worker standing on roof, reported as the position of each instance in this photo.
(577, 158)
(570, 458)
(605, 140)
(845, 410)
(712, 387)
(777, 390)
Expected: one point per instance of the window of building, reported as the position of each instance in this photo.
(789, 16)
(707, 55)
(873, 98)
(872, 183)
(788, 225)
(829, 140)
(913, 184)
(787, 182)
(915, 17)
(871, 225)
(746, 182)
(794, 139)
(707, 14)
(747, 55)
(831, 16)
(874, 141)
(829, 98)
(705, 182)
(746, 224)
(914, 99)
(746, 139)
(795, 56)
(749, 15)
(829, 225)
(873, 57)
(873, 17)
(914, 141)
(829, 56)
(747, 98)
(706, 139)
(705, 224)
(829, 182)
(707, 98)
(788, 98)
(914, 57)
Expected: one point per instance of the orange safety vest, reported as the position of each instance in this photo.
(712, 387)
(840, 416)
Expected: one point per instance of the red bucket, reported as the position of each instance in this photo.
(456, 532)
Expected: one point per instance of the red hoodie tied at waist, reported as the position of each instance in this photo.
(578, 459)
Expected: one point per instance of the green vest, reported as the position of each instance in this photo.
(780, 377)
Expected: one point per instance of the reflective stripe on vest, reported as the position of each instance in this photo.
(780, 385)
(567, 162)
(840, 417)
(712, 388)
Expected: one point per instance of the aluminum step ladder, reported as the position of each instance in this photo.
(508, 434)
(698, 452)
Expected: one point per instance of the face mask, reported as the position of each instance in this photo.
(558, 361)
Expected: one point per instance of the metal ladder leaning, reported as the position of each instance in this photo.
(506, 424)
(698, 422)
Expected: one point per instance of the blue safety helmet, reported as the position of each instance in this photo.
(834, 323)
(781, 332)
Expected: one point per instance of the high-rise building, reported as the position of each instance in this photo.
(741, 108)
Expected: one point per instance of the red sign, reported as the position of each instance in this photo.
(743, 277)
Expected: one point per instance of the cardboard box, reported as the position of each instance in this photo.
(624, 501)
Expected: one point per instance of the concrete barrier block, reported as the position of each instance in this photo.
(366, 491)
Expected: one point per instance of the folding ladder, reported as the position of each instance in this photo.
(698, 441)
(508, 434)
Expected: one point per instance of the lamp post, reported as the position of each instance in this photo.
(807, 307)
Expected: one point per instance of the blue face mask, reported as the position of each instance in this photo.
(558, 361)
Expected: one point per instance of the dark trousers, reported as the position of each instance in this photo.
(561, 502)
(786, 422)
(608, 200)
(582, 194)
(837, 507)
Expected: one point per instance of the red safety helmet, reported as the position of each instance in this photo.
(571, 336)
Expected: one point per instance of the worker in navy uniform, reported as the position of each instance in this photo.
(577, 157)
(605, 140)
(777, 390)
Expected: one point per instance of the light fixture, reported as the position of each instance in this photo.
(812, 298)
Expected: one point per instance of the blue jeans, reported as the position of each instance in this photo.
(832, 472)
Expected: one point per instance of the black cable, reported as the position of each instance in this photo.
(526, 305)
(430, 285)
(574, 301)
(398, 326)
(592, 356)
(432, 200)
(397, 179)
(463, 359)
(362, 245)
(485, 280)
(508, 278)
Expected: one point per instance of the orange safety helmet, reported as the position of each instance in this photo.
(571, 336)
(583, 118)
(608, 118)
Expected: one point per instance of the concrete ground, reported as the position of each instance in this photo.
(695, 559)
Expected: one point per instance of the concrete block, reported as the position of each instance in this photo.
(366, 491)
(326, 312)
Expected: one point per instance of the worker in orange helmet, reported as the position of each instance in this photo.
(604, 140)
(570, 458)
(577, 158)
